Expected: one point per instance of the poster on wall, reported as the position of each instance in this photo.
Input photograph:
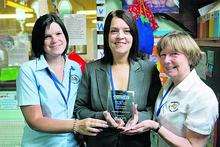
(157, 6)
(16, 49)
(76, 28)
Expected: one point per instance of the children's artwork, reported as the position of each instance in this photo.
(157, 6)
(163, 6)
(145, 21)
(146, 39)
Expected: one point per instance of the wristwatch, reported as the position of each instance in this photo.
(158, 128)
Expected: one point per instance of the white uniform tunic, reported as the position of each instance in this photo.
(191, 104)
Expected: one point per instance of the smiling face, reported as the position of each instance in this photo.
(120, 39)
(179, 54)
(55, 41)
(175, 63)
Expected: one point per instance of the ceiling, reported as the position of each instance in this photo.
(12, 26)
(86, 4)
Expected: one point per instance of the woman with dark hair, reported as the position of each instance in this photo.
(46, 90)
(186, 108)
(133, 53)
(122, 68)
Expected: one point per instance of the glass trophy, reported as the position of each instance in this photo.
(120, 103)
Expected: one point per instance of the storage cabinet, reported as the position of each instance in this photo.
(212, 49)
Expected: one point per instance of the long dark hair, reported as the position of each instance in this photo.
(38, 33)
(127, 17)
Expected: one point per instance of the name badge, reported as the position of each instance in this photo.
(173, 106)
(75, 79)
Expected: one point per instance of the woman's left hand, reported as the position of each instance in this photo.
(140, 127)
(114, 122)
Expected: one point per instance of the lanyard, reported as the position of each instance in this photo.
(113, 88)
(161, 105)
(113, 92)
(55, 81)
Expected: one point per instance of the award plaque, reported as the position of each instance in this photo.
(120, 104)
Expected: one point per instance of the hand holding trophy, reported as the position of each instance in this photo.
(121, 109)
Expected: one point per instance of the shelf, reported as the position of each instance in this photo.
(210, 42)
(8, 85)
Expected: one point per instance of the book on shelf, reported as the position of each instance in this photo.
(217, 24)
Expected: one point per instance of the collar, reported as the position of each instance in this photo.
(188, 82)
(135, 66)
(41, 63)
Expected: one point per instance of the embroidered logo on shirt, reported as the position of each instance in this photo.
(75, 79)
(173, 106)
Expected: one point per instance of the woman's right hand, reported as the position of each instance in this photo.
(89, 126)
